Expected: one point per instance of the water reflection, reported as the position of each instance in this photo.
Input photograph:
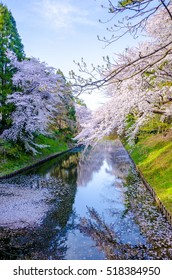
(108, 239)
(78, 206)
(110, 152)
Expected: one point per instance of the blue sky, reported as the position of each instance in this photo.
(59, 32)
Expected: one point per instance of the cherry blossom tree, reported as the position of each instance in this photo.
(83, 115)
(150, 17)
(132, 98)
(141, 96)
(39, 93)
(141, 89)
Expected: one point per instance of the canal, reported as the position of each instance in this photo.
(82, 205)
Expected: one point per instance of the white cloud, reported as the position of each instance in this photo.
(62, 14)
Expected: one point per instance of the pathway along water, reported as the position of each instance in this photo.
(81, 206)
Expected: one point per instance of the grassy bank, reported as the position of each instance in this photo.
(14, 158)
(153, 155)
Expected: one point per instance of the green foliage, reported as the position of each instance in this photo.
(155, 125)
(54, 144)
(9, 40)
(10, 150)
(80, 101)
(67, 122)
(130, 120)
(71, 113)
(13, 157)
(125, 3)
(163, 63)
(149, 73)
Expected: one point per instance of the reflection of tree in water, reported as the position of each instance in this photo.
(57, 223)
(66, 169)
(119, 160)
(107, 240)
(47, 241)
(62, 167)
(153, 226)
(91, 161)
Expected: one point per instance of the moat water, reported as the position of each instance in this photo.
(82, 205)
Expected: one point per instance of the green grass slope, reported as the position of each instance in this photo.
(153, 156)
(13, 158)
